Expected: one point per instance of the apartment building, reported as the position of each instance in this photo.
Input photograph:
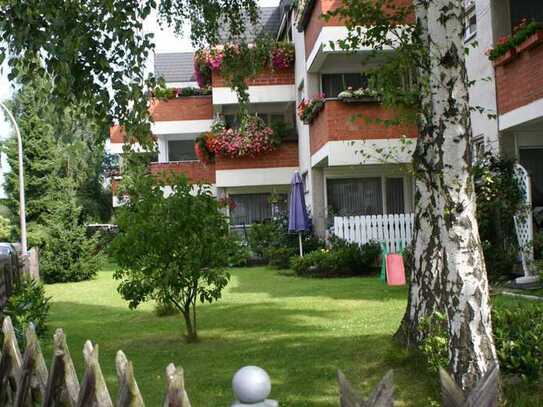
(509, 87)
(332, 153)
(338, 152)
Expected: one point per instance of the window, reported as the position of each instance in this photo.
(478, 149)
(360, 196)
(395, 197)
(231, 121)
(532, 160)
(470, 24)
(255, 208)
(333, 84)
(272, 118)
(181, 150)
(529, 9)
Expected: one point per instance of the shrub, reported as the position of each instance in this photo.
(262, 237)
(239, 254)
(165, 309)
(499, 198)
(343, 259)
(538, 245)
(26, 304)
(266, 238)
(518, 333)
(279, 257)
(435, 347)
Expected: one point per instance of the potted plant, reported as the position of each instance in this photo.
(308, 110)
(362, 95)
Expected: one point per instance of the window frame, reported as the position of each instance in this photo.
(179, 161)
(407, 197)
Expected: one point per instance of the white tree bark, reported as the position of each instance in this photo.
(449, 271)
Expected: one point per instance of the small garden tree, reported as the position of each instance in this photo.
(171, 247)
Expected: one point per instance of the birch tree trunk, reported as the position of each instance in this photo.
(449, 272)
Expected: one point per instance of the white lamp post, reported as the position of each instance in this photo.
(22, 209)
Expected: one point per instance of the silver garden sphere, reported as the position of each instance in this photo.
(251, 384)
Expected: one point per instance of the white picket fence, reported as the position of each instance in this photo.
(396, 231)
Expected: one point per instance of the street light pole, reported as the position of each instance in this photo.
(22, 209)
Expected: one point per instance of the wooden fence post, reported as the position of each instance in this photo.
(382, 395)
(129, 393)
(62, 385)
(10, 364)
(176, 396)
(93, 391)
(485, 394)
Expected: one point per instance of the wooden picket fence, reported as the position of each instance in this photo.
(26, 381)
(395, 231)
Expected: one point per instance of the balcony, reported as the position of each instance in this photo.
(320, 33)
(519, 84)
(339, 122)
(195, 171)
(189, 108)
(273, 168)
(270, 86)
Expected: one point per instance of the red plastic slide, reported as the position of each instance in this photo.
(395, 270)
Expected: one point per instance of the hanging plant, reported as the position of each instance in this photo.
(308, 110)
(282, 55)
(202, 150)
(239, 62)
(252, 138)
(202, 71)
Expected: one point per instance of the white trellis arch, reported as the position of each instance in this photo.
(524, 226)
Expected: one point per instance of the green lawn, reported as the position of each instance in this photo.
(299, 330)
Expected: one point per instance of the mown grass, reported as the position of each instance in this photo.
(299, 330)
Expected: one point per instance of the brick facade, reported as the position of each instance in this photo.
(284, 156)
(116, 134)
(267, 77)
(313, 29)
(335, 122)
(520, 81)
(195, 171)
(185, 108)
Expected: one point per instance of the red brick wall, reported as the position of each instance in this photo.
(285, 156)
(311, 32)
(520, 82)
(195, 171)
(335, 123)
(115, 185)
(116, 134)
(267, 77)
(186, 108)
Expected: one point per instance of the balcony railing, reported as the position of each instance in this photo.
(195, 171)
(354, 121)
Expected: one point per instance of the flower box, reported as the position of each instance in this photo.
(532, 41)
(361, 99)
(505, 58)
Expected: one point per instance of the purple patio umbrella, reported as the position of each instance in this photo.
(298, 220)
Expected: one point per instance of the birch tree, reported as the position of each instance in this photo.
(449, 271)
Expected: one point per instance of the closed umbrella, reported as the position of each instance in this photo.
(298, 220)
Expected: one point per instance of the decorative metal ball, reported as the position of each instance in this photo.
(251, 384)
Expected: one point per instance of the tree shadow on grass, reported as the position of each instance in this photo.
(293, 345)
(277, 285)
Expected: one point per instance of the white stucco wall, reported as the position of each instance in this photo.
(257, 94)
(480, 69)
